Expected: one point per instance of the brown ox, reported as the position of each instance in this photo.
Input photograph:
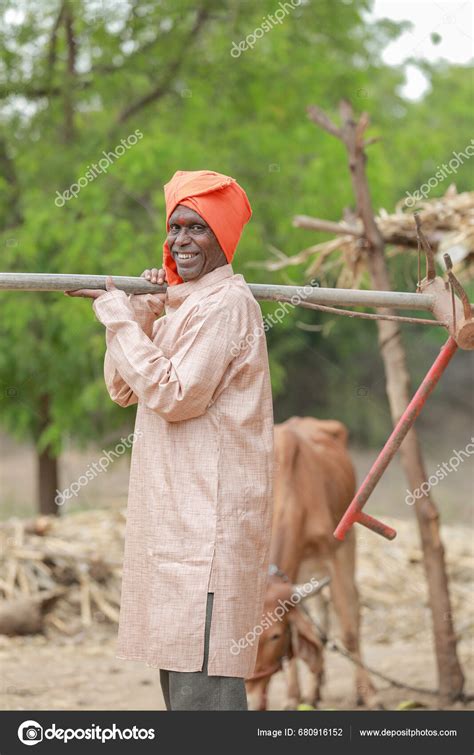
(314, 484)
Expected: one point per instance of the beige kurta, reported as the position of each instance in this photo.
(201, 477)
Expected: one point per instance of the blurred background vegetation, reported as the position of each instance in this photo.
(77, 76)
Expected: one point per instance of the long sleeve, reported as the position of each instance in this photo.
(146, 308)
(182, 386)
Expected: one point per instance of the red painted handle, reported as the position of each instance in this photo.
(406, 421)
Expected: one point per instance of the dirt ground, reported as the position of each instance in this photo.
(81, 672)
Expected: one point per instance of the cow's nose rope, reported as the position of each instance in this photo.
(275, 571)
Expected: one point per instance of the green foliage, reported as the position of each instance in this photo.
(244, 116)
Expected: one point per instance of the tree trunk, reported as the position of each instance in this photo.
(47, 483)
(47, 468)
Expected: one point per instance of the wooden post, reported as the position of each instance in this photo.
(352, 135)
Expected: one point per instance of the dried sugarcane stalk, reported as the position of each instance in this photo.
(86, 614)
(57, 623)
(23, 580)
(12, 568)
(102, 604)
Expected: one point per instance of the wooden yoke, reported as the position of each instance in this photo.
(451, 310)
(455, 312)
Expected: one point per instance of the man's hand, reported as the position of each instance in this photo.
(154, 275)
(94, 293)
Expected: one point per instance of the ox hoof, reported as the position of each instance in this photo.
(371, 701)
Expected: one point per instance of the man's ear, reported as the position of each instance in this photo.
(305, 643)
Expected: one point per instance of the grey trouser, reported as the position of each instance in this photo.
(195, 690)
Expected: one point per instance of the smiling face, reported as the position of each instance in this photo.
(193, 244)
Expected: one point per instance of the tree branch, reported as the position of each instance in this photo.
(395, 237)
(327, 226)
(8, 171)
(321, 119)
(163, 87)
(71, 73)
(51, 59)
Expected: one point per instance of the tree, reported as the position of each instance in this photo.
(75, 80)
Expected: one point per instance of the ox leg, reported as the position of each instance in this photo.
(293, 698)
(314, 695)
(318, 608)
(345, 598)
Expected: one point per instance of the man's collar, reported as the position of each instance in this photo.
(178, 293)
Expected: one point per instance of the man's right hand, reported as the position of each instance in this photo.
(154, 275)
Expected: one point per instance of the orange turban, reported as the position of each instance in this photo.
(218, 199)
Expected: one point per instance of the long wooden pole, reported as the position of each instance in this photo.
(262, 291)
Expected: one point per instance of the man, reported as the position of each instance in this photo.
(201, 477)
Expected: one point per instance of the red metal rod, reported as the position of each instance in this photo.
(375, 525)
(354, 512)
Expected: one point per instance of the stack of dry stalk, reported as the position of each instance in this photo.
(448, 223)
(60, 574)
